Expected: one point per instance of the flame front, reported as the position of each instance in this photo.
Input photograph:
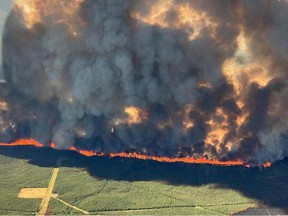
(204, 160)
(166, 80)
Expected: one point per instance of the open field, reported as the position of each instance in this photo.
(127, 186)
(17, 174)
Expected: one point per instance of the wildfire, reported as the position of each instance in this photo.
(58, 11)
(219, 128)
(187, 121)
(23, 142)
(244, 68)
(184, 17)
(190, 160)
(29, 10)
(135, 115)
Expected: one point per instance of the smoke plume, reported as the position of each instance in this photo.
(174, 78)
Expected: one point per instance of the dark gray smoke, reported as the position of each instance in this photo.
(203, 77)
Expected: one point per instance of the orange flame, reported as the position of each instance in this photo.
(88, 153)
(135, 115)
(267, 164)
(58, 11)
(23, 142)
(189, 19)
(203, 160)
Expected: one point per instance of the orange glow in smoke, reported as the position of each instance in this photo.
(58, 11)
(240, 69)
(218, 129)
(134, 115)
(186, 18)
(190, 160)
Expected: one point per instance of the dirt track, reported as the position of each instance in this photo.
(45, 201)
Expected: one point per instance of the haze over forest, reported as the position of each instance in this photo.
(5, 6)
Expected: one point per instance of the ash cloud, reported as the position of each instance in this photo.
(212, 86)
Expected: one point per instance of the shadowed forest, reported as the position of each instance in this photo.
(268, 186)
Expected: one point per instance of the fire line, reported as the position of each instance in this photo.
(88, 153)
(171, 81)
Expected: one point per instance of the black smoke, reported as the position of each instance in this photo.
(70, 81)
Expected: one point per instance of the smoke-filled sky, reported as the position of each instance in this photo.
(174, 78)
(5, 6)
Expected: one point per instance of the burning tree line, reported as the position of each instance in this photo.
(168, 80)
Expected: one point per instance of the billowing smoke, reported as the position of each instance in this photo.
(172, 78)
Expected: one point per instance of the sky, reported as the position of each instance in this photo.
(5, 6)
